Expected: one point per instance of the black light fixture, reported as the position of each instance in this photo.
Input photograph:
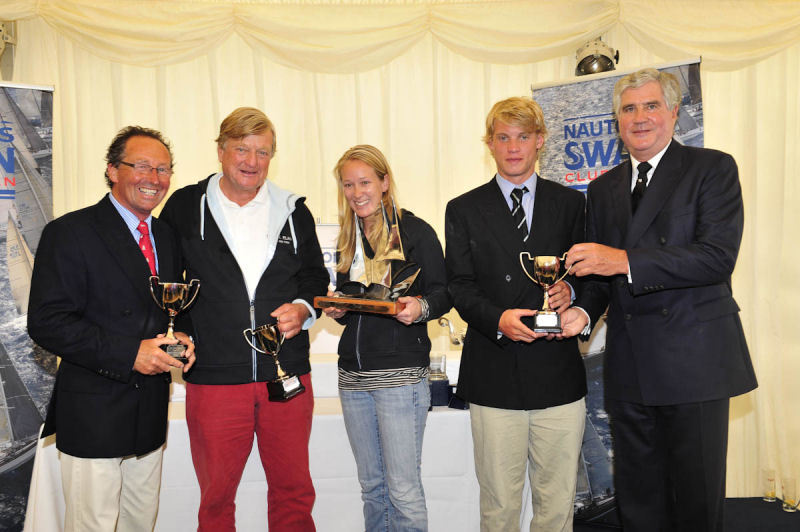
(595, 56)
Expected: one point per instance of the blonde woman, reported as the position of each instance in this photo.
(383, 360)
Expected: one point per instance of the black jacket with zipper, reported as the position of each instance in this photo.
(223, 308)
(374, 341)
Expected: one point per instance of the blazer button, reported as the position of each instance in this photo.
(664, 312)
(628, 317)
(127, 312)
(508, 278)
(663, 240)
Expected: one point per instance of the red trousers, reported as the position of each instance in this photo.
(222, 420)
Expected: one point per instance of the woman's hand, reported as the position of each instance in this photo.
(411, 311)
(333, 312)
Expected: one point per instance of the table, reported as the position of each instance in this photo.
(448, 471)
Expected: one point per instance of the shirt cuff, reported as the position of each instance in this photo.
(571, 292)
(312, 316)
(588, 329)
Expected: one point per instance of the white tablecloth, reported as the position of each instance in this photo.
(447, 469)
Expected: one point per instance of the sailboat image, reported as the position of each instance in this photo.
(20, 265)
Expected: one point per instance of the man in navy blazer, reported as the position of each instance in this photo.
(663, 233)
(90, 304)
(526, 392)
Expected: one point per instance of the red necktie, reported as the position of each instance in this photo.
(147, 247)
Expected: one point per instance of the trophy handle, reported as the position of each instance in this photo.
(529, 258)
(563, 258)
(249, 341)
(522, 263)
(155, 285)
(455, 339)
(194, 284)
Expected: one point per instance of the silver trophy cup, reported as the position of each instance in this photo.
(173, 298)
(545, 274)
(270, 339)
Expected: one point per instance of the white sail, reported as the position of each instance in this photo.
(33, 197)
(20, 265)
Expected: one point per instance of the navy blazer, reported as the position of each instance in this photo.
(674, 334)
(90, 304)
(485, 278)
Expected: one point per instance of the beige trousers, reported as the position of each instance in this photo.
(547, 442)
(111, 494)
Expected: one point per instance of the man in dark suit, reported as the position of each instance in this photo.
(526, 392)
(664, 231)
(90, 304)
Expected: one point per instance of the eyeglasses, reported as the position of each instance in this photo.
(146, 169)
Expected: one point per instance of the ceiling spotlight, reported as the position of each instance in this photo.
(595, 56)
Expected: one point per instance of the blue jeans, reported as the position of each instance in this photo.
(385, 428)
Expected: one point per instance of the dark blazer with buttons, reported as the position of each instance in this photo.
(485, 278)
(90, 304)
(674, 334)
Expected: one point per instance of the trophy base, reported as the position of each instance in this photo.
(545, 321)
(283, 390)
(359, 304)
(440, 391)
(176, 351)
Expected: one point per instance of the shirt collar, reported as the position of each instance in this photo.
(130, 219)
(260, 199)
(654, 160)
(507, 186)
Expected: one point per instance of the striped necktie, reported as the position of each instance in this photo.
(518, 213)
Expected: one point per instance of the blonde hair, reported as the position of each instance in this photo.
(346, 243)
(245, 121)
(516, 111)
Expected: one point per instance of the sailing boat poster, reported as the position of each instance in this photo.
(26, 371)
(583, 141)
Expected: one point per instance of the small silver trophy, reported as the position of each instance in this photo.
(173, 298)
(270, 338)
(545, 274)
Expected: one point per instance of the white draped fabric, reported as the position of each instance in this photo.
(416, 78)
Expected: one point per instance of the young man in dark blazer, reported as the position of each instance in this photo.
(663, 233)
(90, 304)
(526, 392)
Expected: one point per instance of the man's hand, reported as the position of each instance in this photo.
(560, 296)
(333, 312)
(189, 353)
(152, 360)
(588, 258)
(513, 329)
(573, 321)
(410, 312)
(290, 318)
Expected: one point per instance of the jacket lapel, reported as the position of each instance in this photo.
(662, 185)
(115, 235)
(544, 215)
(166, 253)
(499, 221)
